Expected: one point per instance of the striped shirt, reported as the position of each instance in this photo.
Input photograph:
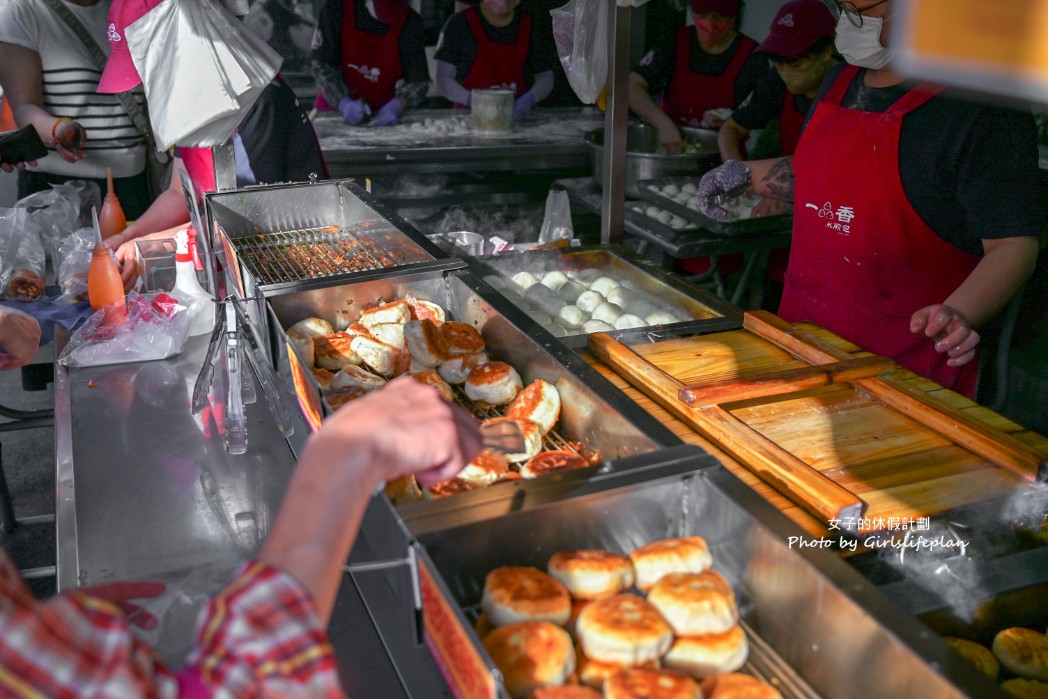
(69, 81)
(259, 637)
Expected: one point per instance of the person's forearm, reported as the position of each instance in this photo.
(543, 85)
(772, 177)
(643, 105)
(448, 86)
(39, 118)
(1002, 271)
(730, 139)
(167, 211)
(318, 523)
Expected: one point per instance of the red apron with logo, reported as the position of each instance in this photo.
(498, 65)
(690, 95)
(370, 62)
(862, 261)
(790, 123)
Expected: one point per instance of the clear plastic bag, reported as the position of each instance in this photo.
(580, 31)
(56, 212)
(156, 327)
(557, 223)
(71, 262)
(23, 262)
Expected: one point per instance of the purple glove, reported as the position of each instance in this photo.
(353, 111)
(523, 105)
(717, 181)
(389, 114)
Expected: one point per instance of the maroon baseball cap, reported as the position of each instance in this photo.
(725, 8)
(120, 73)
(797, 26)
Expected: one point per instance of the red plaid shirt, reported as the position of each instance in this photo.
(260, 637)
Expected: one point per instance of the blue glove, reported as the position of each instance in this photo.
(389, 114)
(720, 179)
(523, 105)
(353, 111)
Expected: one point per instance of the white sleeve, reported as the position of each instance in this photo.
(13, 29)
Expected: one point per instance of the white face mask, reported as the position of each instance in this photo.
(861, 46)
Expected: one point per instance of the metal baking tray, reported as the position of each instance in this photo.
(283, 238)
(817, 628)
(764, 224)
(643, 277)
(593, 412)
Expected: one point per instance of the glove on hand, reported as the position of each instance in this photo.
(522, 106)
(389, 114)
(717, 181)
(353, 111)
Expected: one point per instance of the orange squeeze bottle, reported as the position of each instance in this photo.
(104, 285)
(112, 219)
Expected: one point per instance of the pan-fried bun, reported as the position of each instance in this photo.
(538, 402)
(566, 691)
(337, 397)
(425, 342)
(1024, 652)
(334, 351)
(390, 333)
(695, 603)
(452, 486)
(711, 654)
(738, 686)
(531, 655)
(532, 438)
(381, 358)
(546, 462)
(593, 672)
(591, 574)
(462, 338)
(394, 312)
(323, 377)
(356, 376)
(456, 369)
(303, 344)
(685, 555)
(1025, 689)
(516, 593)
(314, 327)
(403, 489)
(420, 310)
(486, 468)
(432, 378)
(495, 383)
(623, 629)
(978, 655)
(641, 683)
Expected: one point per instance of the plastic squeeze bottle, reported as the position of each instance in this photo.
(112, 219)
(187, 287)
(104, 285)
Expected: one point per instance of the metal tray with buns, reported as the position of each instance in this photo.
(652, 190)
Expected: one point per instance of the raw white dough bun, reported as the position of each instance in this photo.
(607, 311)
(588, 300)
(671, 190)
(537, 293)
(570, 291)
(571, 316)
(524, 280)
(603, 286)
(652, 212)
(660, 318)
(597, 326)
(587, 276)
(621, 296)
(554, 280)
(556, 330)
(552, 305)
(495, 282)
(640, 307)
(628, 320)
(541, 318)
(688, 188)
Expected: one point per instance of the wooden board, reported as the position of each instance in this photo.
(922, 451)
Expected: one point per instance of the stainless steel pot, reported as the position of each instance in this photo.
(646, 159)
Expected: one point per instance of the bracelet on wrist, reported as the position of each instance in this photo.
(54, 127)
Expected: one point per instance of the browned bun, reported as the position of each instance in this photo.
(623, 629)
(392, 312)
(482, 626)
(402, 490)
(590, 574)
(593, 672)
(531, 655)
(432, 378)
(1023, 652)
(566, 691)
(538, 402)
(977, 655)
(334, 351)
(532, 438)
(495, 383)
(425, 310)
(641, 683)
(546, 462)
(453, 486)
(462, 338)
(425, 342)
(314, 327)
(738, 686)
(1025, 689)
(323, 377)
(303, 344)
(710, 654)
(688, 554)
(486, 468)
(457, 367)
(351, 375)
(695, 603)
(516, 593)
(380, 357)
(337, 397)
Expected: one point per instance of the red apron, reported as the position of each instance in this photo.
(690, 95)
(498, 65)
(200, 166)
(370, 62)
(862, 261)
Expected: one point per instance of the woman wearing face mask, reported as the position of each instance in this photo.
(495, 45)
(914, 222)
(709, 67)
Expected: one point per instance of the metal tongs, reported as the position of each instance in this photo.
(724, 197)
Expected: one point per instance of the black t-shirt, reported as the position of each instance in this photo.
(765, 103)
(968, 168)
(327, 44)
(660, 62)
(459, 48)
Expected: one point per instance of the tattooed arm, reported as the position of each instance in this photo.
(773, 177)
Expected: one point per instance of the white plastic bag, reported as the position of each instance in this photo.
(201, 69)
(557, 223)
(56, 212)
(71, 262)
(580, 31)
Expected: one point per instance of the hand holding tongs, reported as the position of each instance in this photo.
(724, 197)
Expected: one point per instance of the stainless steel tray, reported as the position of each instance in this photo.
(648, 279)
(593, 413)
(819, 628)
(764, 224)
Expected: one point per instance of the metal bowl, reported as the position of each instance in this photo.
(646, 159)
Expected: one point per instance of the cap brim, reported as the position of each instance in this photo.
(120, 75)
(786, 46)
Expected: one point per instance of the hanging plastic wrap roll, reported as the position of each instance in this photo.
(201, 69)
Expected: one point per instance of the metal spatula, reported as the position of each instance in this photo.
(724, 197)
(502, 437)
